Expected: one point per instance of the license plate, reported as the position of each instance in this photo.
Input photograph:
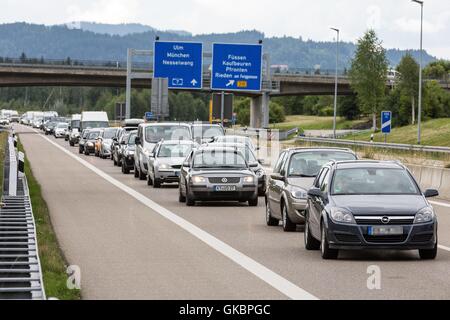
(384, 231)
(224, 188)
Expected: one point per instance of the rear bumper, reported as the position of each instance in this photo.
(354, 237)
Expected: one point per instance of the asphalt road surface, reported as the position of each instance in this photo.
(135, 242)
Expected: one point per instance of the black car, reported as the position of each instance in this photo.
(369, 205)
(217, 174)
(127, 152)
(119, 143)
(83, 138)
(91, 139)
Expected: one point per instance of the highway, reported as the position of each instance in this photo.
(135, 242)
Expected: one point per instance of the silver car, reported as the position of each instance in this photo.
(165, 161)
(292, 177)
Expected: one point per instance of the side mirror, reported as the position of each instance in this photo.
(137, 140)
(278, 177)
(186, 164)
(430, 193)
(152, 155)
(315, 192)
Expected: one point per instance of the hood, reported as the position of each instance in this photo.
(304, 183)
(107, 141)
(222, 173)
(381, 204)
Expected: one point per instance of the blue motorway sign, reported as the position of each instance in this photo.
(149, 116)
(236, 67)
(386, 122)
(180, 62)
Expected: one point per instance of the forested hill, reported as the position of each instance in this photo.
(60, 42)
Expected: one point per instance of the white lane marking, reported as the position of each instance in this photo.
(444, 248)
(275, 280)
(442, 204)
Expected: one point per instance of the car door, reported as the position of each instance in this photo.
(139, 147)
(152, 158)
(317, 203)
(185, 171)
(275, 187)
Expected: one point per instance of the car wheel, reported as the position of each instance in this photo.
(270, 221)
(288, 225)
(71, 143)
(149, 180)
(311, 243)
(181, 198)
(80, 151)
(157, 183)
(253, 202)
(429, 254)
(86, 152)
(325, 250)
(142, 176)
(115, 162)
(136, 172)
(189, 201)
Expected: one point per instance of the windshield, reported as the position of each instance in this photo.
(308, 164)
(62, 125)
(205, 132)
(109, 134)
(75, 123)
(93, 135)
(219, 159)
(131, 139)
(95, 124)
(174, 150)
(154, 134)
(367, 181)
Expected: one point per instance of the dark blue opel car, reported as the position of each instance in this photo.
(369, 205)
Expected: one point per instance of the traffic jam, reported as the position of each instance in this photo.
(340, 201)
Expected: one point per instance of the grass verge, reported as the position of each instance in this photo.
(3, 141)
(317, 123)
(52, 259)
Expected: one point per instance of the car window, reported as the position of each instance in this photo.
(279, 163)
(154, 134)
(325, 180)
(308, 164)
(322, 177)
(219, 159)
(174, 150)
(370, 181)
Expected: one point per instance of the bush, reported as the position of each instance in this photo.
(276, 113)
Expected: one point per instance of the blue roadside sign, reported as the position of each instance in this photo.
(180, 62)
(237, 67)
(149, 116)
(386, 122)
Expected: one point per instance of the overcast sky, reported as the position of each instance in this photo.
(396, 21)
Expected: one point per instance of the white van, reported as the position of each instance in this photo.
(94, 119)
(148, 136)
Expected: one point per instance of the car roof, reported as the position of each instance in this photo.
(368, 164)
(212, 148)
(177, 142)
(318, 149)
(159, 124)
(228, 144)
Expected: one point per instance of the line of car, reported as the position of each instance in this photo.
(344, 203)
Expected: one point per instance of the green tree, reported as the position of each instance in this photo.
(348, 107)
(242, 109)
(368, 74)
(436, 101)
(276, 113)
(409, 81)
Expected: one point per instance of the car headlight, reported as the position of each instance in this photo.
(164, 166)
(298, 193)
(424, 215)
(249, 179)
(259, 173)
(341, 215)
(198, 179)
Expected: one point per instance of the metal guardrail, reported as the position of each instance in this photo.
(20, 268)
(395, 146)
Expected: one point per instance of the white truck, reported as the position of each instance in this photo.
(94, 119)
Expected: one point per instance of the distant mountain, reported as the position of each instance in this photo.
(92, 41)
(111, 29)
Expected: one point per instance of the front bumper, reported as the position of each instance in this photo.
(353, 237)
(207, 193)
(90, 148)
(169, 175)
(60, 134)
(296, 210)
(128, 161)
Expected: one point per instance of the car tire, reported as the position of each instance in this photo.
(71, 143)
(429, 254)
(80, 151)
(189, 201)
(288, 225)
(149, 180)
(311, 243)
(142, 176)
(270, 221)
(136, 172)
(327, 253)
(253, 202)
(181, 198)
(86, 152)
(157, 183)
(115, 162)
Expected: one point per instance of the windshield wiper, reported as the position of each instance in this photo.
(302, 175)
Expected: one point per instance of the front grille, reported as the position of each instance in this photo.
(422, 237)
(222, 180)
(343, 237)
(386, 239)
(176, 167)
(375, 221)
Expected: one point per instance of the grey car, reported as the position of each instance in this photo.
(293, 175)
(217, 174)
(164, 164)
(106, 141)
